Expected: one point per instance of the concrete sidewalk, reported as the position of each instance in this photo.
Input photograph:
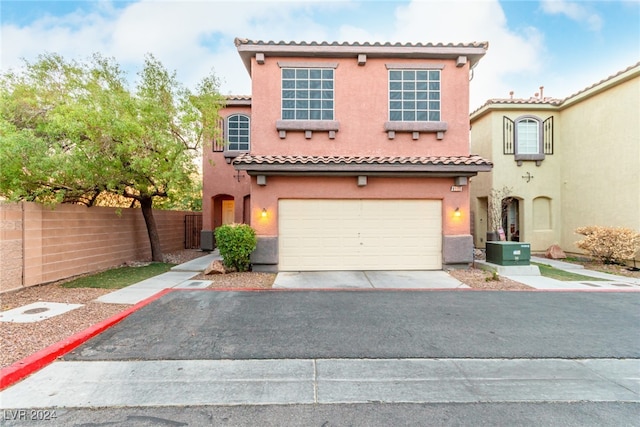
(180, 275)
(601, 281)
(177, 278)
(324, 381)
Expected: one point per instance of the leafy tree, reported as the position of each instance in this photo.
(73, 132)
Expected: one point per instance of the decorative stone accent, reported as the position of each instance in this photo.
(555, 252)
(216, 267)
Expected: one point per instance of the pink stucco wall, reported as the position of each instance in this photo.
(361, 108)
(282, 187)
(220, 177)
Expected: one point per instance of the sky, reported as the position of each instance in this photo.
(562, 45)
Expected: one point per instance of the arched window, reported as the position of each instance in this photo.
(238, 132)
(528, 138)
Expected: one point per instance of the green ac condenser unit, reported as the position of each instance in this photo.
(509, 253)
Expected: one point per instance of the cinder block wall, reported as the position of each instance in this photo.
(10, 246)
(41, 244)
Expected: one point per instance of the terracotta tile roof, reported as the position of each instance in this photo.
(352, 165)
(249, 159)
(529, 101)
(554, 102)
(242, 41)
(238, 97)
(237, 100)
(611, 77)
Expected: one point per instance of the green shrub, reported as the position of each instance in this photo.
(236, 242)
(611, 245)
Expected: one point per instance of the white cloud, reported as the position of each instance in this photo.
(193, 37)
(509, 53)
(579, 12)
(189, 36)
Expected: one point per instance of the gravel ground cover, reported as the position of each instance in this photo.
(19, 340)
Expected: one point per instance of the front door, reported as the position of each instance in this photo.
(511, 210)
(228, 211)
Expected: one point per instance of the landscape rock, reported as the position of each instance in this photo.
(555, 252)
(215, 267)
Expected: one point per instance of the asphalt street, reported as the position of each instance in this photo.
(197, 325)
(350, 357)
(577, 414)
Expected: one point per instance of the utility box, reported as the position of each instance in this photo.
(509, 253)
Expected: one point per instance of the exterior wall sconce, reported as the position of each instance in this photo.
(457, 213)
(264, 212)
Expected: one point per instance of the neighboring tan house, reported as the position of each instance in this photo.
(359, 156)
(569, 162)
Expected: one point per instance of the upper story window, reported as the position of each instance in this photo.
(414, 95)
(528, 138)
(238, 132)
(307, 94)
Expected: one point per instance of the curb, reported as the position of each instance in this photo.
(30, 364)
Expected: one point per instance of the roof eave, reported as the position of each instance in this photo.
(473, 53)
(507, 106)
(360, 169)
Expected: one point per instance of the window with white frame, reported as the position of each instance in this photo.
(238, 132)
(528, 136)
(414, 95)
(307, 94)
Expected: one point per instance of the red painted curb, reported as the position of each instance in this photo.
(406, 290)
(30, 364)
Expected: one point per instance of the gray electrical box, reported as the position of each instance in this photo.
(207, 240)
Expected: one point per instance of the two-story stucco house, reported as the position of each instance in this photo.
(357, 156)
(569, 162)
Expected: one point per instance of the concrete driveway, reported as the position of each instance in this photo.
(366, 280)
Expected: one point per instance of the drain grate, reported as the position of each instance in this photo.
(591, 284)
(193, 284)
(620, 284)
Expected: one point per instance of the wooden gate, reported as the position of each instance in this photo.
(192, 229)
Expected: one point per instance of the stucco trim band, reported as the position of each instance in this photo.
(414, 66)
(306, 64)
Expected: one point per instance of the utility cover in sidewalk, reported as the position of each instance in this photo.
(193, 284)
(36, 312)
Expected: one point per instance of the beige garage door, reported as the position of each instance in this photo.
(317, 235)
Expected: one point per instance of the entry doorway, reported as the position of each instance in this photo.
(228, 211)
(223, 211)
(511, 218)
